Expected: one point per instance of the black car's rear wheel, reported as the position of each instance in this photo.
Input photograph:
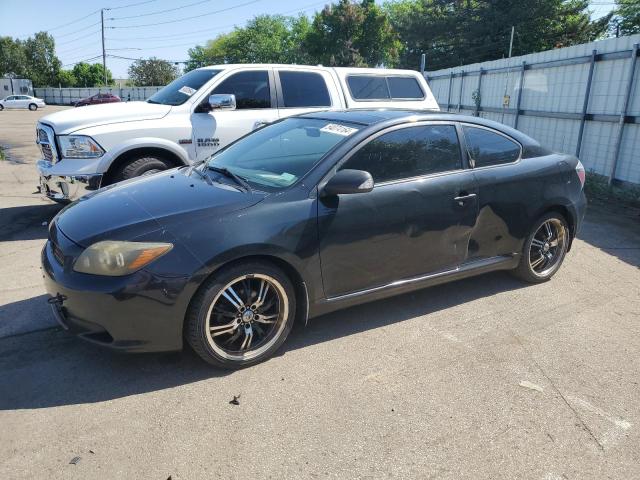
(242, 315)
(544, 249)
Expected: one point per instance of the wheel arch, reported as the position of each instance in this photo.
(568, 215)
(138, 152)
(299, 284)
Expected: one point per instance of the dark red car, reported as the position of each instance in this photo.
(98, 99)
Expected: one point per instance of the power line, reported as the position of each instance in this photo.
(131, 5)
(189, 18)
(73, 21)
(83, 60)
(80, 30)
(162, 11)
(78, 38)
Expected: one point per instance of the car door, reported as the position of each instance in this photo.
(417, 219)
(255, 106)
(24, 101)
(505, 191)
(302, 91)
(10, 102)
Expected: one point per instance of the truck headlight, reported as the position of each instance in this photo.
(79, 146)
(114, 259)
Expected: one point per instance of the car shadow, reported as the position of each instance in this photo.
(52, 368)
(26, 222)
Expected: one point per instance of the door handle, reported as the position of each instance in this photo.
(463, 198)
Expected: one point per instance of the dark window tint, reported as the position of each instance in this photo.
(372, 87)
(250, 88)
(368, 87)
(304, 89)
(404, 87)
(488, 148)
(409, 152)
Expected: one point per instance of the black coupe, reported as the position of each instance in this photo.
(304, 216)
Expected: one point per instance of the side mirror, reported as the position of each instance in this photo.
(349, 181)
(222, 101)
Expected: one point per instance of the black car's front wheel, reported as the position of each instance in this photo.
(544, 249)
(242, 315)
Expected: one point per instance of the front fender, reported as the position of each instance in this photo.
(139, 143)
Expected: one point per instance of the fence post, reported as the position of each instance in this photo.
(479, 101)
(461, 85)
(449, 96)
(623, 114)
(585, 104)
(515, 123)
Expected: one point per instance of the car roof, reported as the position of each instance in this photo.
(392, 116)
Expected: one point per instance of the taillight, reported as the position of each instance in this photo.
(581, 173)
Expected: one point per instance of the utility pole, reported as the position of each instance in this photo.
(104, 56)
(513, 30)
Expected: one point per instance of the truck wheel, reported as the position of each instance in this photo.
(138, 167)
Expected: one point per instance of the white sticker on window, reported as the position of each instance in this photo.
(338, 129)
(187, 90)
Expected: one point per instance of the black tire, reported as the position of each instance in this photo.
(201, 317)
(137, 167)
(33, 107)
(528, 270)
(1, 107)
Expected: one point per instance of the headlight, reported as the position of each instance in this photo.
(118, 258)
(79, 146)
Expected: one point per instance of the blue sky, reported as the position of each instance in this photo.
(144, 28)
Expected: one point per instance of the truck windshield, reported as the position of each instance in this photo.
(277, 156)
(179, 91)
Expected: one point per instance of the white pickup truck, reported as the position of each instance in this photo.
(200, 112)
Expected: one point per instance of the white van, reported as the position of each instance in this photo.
(200, 112)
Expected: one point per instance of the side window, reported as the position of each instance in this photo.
(250, 88)
(405, 87)
(409, 152)
(304, 89)
(488, 148)
(368, 87)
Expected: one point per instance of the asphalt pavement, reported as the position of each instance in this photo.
(485, 378)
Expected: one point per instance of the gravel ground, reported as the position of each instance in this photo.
(482, 378)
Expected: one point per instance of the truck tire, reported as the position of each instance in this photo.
(137, 167)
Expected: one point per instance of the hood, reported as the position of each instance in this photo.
(142, 205)
(72, 119)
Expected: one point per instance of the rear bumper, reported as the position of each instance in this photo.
(65, 188)
(136, 313)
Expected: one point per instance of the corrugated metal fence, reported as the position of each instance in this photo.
(582, 100)
(68, 96)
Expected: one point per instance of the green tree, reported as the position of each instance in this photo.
(353, 34)
(42, 65)
(67, 79)
(628, 16)
(152, 72)
(454, 32)
(90, 75)
(12, 57)
(265, 39)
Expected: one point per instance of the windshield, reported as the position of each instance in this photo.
(276, 156)
(179, 91)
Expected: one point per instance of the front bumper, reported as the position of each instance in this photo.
(135, 313)
(65, 188)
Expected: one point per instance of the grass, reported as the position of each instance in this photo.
(3, 156)
(597, 188)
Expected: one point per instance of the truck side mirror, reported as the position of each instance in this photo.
(222, 101)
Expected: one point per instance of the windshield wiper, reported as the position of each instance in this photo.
(200, 173)
(228, 173)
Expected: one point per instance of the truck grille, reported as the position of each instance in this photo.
(45, 137)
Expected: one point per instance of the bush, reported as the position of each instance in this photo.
(597, 188)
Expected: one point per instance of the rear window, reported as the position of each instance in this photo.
(304, 89)
(378, 87)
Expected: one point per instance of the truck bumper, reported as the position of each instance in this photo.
(65, 188)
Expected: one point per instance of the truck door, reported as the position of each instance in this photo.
(302, 91)
(255, 105)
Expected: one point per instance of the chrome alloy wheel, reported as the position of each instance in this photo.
(548, 247)
(247, 317)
